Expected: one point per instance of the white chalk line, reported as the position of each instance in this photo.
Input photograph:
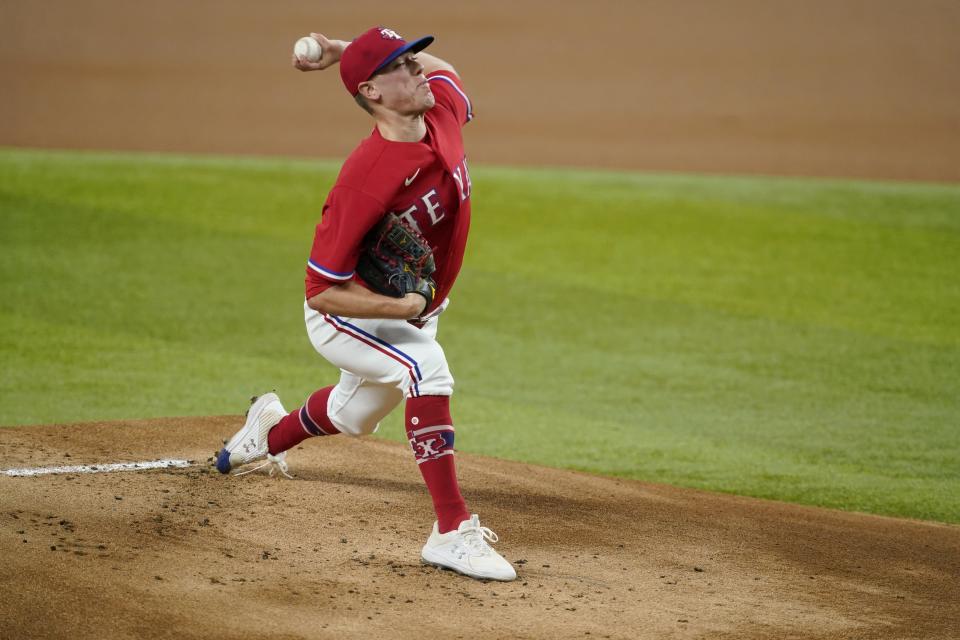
(99, 468)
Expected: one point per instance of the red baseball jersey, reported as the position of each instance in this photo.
(426, 183)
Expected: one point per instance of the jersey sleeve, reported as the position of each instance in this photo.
(450, 95)
(348, 215)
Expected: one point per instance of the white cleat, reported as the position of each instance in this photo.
(466, 551)
(250, 443)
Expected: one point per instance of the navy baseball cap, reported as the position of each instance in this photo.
(372, 51)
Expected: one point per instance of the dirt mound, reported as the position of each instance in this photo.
(335, 552)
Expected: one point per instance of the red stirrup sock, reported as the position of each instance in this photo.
(430, 432)
(307, 421)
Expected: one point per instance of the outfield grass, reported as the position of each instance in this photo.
(788, 339)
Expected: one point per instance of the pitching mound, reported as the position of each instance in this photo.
(188, 553)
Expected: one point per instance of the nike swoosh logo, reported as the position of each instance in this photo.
(407, 182)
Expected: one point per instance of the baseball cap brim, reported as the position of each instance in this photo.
(416, 46)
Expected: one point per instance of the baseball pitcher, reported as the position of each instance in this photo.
(385, 256)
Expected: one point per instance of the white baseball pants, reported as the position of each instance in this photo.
(381, 362)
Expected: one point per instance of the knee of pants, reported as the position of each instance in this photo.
(432, 375)
(356, 408)
(356, 420)
(353, 426)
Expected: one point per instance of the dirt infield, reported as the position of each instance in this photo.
(334, 553)
(854, 88)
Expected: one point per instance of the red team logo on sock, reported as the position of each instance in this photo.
(436, 442)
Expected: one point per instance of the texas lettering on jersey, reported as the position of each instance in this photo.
(426, 183)
(429, 203)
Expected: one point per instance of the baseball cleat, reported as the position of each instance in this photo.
(466, 551)
(249, 444)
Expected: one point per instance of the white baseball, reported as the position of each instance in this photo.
(308, 49)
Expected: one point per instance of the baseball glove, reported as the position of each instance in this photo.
(397, 260)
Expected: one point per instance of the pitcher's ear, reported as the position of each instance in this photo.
(369, 91)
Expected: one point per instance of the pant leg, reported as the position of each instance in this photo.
(356, 406)
(384, 352)
(381, 361)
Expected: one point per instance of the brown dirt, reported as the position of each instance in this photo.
(819, 87)
(335, 552)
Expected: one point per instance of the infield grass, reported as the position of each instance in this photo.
(782, 338)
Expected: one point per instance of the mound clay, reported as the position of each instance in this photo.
(335, 552)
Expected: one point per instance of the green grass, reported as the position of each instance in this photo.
(781, 338)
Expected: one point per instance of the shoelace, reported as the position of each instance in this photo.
(276, 463)
(475, 540)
